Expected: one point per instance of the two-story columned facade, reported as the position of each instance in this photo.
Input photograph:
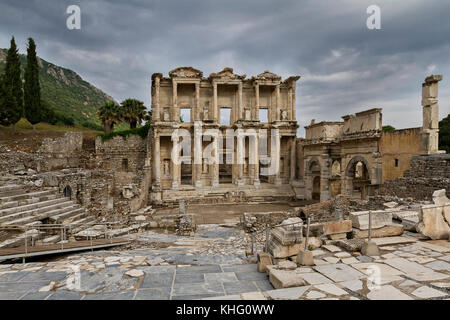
(259, 112)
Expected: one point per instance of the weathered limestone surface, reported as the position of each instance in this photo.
(386, 231)
(285, 279)
(380, 218)
(432, 222)
(439, 197)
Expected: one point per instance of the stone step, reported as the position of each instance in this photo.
(28, 195)
(10, 187)
(20, 239)
(52, 239)
(38, 214)
(82, 224)
(25, 202)
(68, 216)
(28, 207)
(12, 190)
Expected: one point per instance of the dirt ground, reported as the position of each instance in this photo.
(226, 213)
(27, 140)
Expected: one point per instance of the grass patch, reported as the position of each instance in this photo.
(24, 125)
(141, 131)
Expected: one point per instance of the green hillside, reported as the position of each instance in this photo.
(66, 92)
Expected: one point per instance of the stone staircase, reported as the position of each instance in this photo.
(230, 193)
(18, 207)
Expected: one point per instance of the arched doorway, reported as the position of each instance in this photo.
(316, 188)
(313, 174)
(68, 192)
(358, 178)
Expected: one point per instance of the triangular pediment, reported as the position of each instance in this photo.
(227, 73)
(185, 72)
(267, 75)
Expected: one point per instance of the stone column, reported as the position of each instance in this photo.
(156, 114)
(257, 102)
(156, 160)
(198, 154)
(215, 111)
(430, 109)
(215, 165)
(275, 156)
(293, 159)
(197, 102)
(294, 111)
(290, 112)
(325, 174)
(254, 159)
(278, 106)
(175, 110)
(240, 114)
(240, 157)
(175, 162)
(308, 186)
(347, 186)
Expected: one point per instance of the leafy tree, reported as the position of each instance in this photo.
(109, 114)
(388, 128)
(32, 91)
(12, 83)
(444, 134)
(7, 104)
(2, 109)
(133, 111)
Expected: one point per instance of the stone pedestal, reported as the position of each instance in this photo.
(370, 249)
(305, 258)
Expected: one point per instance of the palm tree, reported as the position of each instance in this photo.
(109, 115)
(133, 112)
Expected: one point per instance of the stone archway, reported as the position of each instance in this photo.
(312, 179)
(357, 178)
(67, 192)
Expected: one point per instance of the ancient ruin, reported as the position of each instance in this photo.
(221, 199)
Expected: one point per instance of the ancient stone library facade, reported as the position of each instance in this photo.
(232, 138)
(351, 157)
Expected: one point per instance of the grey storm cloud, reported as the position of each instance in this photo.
(345, 67)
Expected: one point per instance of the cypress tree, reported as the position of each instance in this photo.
(32, 94)
(12, 83)
(3, 117)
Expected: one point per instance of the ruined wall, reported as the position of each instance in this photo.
(426, 174)
(323, 130)
(63, 152)
(369, 120)
(396, 148)
(19, 162)
(125, 159)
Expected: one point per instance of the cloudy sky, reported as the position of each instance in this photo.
(345, 67)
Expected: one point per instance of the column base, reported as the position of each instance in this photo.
(240, 182)
(156, 197)
(198, 184)
(277, 181)
(256, 183)
(215, 183)
(175, 185)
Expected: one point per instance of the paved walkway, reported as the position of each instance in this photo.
(406, 269)
(156, 283)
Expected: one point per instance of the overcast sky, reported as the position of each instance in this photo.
(345, 67)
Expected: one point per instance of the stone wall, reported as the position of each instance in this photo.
(63, 152)
(427, 174)
(126, 160)
(396, 148)
(19, 162)
(257, 221)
